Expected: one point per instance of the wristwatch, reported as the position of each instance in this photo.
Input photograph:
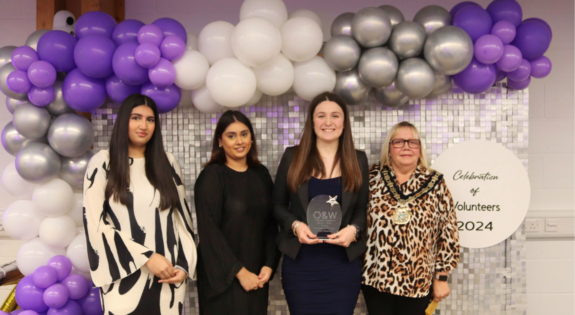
(443, 278)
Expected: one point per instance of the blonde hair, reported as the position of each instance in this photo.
(386, 160)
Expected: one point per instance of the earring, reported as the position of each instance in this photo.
(220, 145)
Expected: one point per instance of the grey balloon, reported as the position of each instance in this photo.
(13, 141)
(342, 24)
(72, 170)
(37, 163)
(31, 121)
(12, 104)
(371, 27)
(350, 87)
(407, 39)
(432, 18)
(390, 96)
(341, 53)
(442, 84)
(448, 50)
(4, 72)
(71, 135)
(395, 16)
(58, 106)
(33, 39)
(378, 67)
(415, 78)
(6, 55)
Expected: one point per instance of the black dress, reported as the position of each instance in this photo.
(236, 230)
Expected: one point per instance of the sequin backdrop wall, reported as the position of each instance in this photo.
(487, 281)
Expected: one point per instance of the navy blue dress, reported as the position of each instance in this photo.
(321, 280)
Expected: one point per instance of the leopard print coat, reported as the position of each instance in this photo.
(402, 259)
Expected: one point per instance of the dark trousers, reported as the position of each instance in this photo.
(380, 303)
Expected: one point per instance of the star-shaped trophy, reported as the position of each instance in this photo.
(324, 216)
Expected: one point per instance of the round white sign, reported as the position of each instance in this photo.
(490, 190)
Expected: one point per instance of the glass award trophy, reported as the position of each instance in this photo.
(324, 216)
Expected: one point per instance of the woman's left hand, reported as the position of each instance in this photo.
(264, 276)
(179, 277)
(440, 290)
(342, 238)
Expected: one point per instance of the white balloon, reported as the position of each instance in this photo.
(54, 198)
(215, 41)
(307, 14)
(231, 83)
(34, 254)
(256, 41)
(57, 231)
(78, 253)
(22, 220)
(203, 101)
(86, 275)
(191, 70)
(275, 77)
(255, 98)
(192, 43)
(312, 78)
(77, 210)
(273, 10)
(185, 99)
(301, 39)
(15, 184)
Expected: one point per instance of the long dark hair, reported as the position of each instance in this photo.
(228, 118)
(158, 167)
(307, 162)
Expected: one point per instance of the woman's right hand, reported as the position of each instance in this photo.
(248, 280)
(305, 236)
(160, 266)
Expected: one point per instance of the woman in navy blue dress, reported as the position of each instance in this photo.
(322, 276)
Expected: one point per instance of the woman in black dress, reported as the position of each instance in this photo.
(322, 276)
(237, 255)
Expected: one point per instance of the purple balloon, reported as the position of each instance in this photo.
(172, 27)
(474, 20)
(118, 91)
(518, 85)
(62, 264)
(126, 67)
(163, 74)
(56, 296)
(533, 38)
(77, 286)
(18, 82)
(83, 93)
(4, 313)
(511, 58)
(172, 47)
(488, 49)
(23, 57)
(148, 55)
(44, 276)
(542, 22)
(91, 302)
(29, 296)
(150, 34)
(460, 6)
(540, 67)
(17, 312)
(57, 47)
(500, 75)
(476, 78)
(505, 10)
(41, 96)
(93, 55)
(42, 74)
(126, 31)
(95, 23)
(505, 30)
(166, 98)
(28, 312)
(71, 308)
(520, 73)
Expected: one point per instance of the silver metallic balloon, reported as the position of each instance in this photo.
(407, 39)
(31, 121)
(390, 96)
(72, 170)
(395, 16)
(33, 39)
(37, 163)
(342, 24)
(415, 78)
(4, 72)
(6, 55)
(371, 27)
(448, 50)
(442, 84)
(350, 87)
(432, 18)
(71, 135)
(13, 141)
(341, 53)
(58, 105)
(378, 67)
(12, 104)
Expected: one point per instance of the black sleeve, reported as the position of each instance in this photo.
(272, 254)
(219, 261)
(282, 214)
(359, 216)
